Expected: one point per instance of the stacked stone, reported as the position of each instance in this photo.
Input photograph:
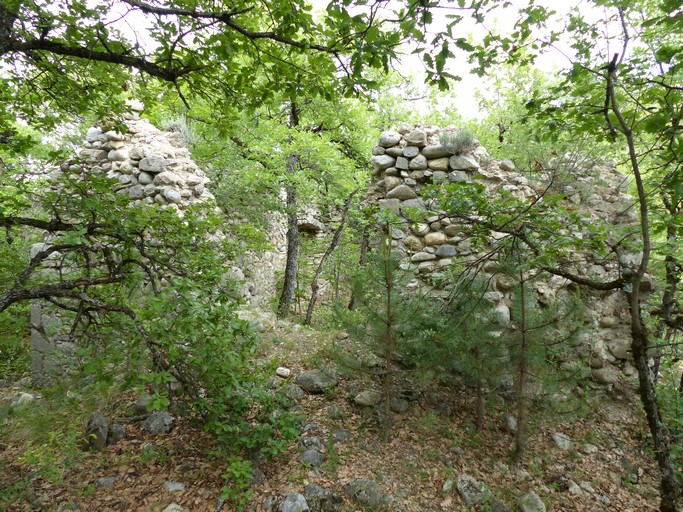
(406, 160)
(151, 165)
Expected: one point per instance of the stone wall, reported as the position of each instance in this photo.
(407, 160)
(154, 167)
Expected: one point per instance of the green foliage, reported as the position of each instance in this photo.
(237, 477)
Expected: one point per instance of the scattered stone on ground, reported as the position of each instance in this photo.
(316, 381)
(530, 502)
(158, 423)
(365, 492)
(96, 431)
(471, 491)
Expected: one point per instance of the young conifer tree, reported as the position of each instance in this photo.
(538, 339)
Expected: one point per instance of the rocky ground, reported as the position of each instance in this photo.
(595, 459)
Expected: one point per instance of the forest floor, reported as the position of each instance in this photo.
(430, 445)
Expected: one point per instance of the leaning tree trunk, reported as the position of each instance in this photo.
(669, 486)
(335, 240)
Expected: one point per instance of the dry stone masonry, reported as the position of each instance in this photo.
(407, 160)
(154, 167)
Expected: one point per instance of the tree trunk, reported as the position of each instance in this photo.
(669, 485)
(389, 337)
(291, 266)
(328, 252)
(522, 378)
(362, 260)
(289, 284)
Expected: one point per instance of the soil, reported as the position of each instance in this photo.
(427, 449)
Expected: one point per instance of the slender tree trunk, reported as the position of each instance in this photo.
(640, 343)
(289, 284)
(481, 402)
(291, 266)
(362, 260)
(328, 252)
(389, 337)
(522, 378)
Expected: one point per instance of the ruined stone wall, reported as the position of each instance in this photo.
(407, 160)
(154, 167)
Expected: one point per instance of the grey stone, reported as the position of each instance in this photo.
(335, 412)
(562, 441)
(312, 442)
(153, 164)
(378, 150)
(446, 251)
(510, 423)
(391, 182)
(117, 155)
(444, 409)
(606, 375)
(438, 164)
(463, 163)
(365, 492)
(137, 153)
(458, 176)
(422, 256)
(401, 192)
(316, 381)
(411, 151)
(174, 507)
(136, 192)
(171, 486)
(106, 482)
(158, 423)
(416, 138)
(293, 392)
(368, 398)
(530, 502)
(340, 435)
(92, 155)
(166, 178)
(435, 151)
(312, 457)
(395, 152)
(419, 163)
(399, 405)
(93, 134)
(471, 491)
(417, 203)
(96, 431)
(322, 500)
(390, 204)
(389, 138)
(435, 238)
(498, 506)
(140, 406)
(258, 477)
(282, 372)
(574, 489)
(116, 433)
(173, 196)
(24, 399)
(506, 165)
(402, 163)
(381, 162)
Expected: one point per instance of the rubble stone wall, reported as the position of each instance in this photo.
(407, 160)
(154, 167)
